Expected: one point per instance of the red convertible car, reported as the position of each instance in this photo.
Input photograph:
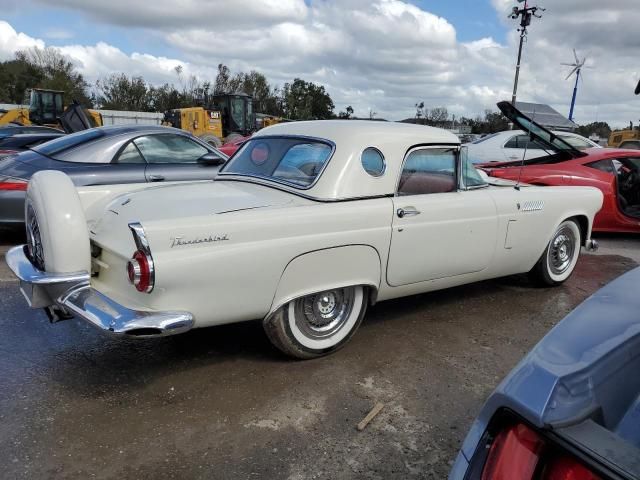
(614, 171)
(230, 148)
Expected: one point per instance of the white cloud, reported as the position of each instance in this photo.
(380, 54)
(12, 41)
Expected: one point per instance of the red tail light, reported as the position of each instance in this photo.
(520, 453)
(566, 468)
(514, 454)
(9, 183)
(140, 271)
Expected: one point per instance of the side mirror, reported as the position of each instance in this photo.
(211, 159)
(638, 88)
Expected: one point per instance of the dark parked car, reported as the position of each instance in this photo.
(570, 410)
(24, 141)
(107, 156)
(630, 144)
(11, 130)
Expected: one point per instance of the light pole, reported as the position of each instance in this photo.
(525, 13)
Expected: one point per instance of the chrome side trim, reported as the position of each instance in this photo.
(109, 316)
(140, 237)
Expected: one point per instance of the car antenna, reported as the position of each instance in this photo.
(524, 154)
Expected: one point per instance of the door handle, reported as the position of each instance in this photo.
(407, 212)
(156, 178)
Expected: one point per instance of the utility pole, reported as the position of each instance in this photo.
(525, 13)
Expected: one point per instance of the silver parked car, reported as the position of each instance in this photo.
(517, 145)
(107, 156)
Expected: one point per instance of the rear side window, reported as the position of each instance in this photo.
(130, 154)
(428, 171)
(68, 142)
(602, 165)
(373, 162)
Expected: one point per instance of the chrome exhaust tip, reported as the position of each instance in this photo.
(591, 245)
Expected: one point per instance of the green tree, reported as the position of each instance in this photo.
(223, 77)
(304, 100)
(119, 92)
(58, 73)
(602, 129)
(347, 113)
(15, 77)
(163, 98)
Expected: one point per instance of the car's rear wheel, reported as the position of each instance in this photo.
(232, 137)
(560, 257)
(211, 140)
(317, 324)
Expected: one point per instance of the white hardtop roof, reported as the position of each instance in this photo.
(344, 177)
(345, 130)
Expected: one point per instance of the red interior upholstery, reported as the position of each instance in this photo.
(417, 183)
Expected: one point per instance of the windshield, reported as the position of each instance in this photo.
(296, 161)
(67, 142)
(237, 112)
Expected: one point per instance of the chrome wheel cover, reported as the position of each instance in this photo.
(322, 314)
(561, 251)
(34, 242)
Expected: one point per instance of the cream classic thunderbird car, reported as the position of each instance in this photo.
(307, 225)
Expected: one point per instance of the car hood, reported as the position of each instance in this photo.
(549, 139)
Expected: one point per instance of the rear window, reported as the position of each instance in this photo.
(295, 161)
(68, 142)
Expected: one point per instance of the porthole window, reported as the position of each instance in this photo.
(373, 162)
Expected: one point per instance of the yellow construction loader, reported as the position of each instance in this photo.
(46, 107)
(222, 119)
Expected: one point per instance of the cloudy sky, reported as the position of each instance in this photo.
(383, 55)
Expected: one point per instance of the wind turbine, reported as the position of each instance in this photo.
(577, 67)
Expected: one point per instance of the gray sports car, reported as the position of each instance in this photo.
(107, 156)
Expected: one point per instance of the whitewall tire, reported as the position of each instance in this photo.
(560, 257)
(317, 324)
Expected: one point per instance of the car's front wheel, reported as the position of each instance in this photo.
(317, 324)
(560, 257)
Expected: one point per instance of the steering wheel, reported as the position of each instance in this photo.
(630, 179)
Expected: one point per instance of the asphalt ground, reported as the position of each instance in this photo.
(223, 403)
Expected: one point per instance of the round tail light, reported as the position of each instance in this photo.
(140, 272)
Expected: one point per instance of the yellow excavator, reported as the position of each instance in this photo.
(46, 107)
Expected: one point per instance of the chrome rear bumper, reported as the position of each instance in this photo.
(73, 293)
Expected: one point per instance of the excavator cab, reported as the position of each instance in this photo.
(45, 106)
